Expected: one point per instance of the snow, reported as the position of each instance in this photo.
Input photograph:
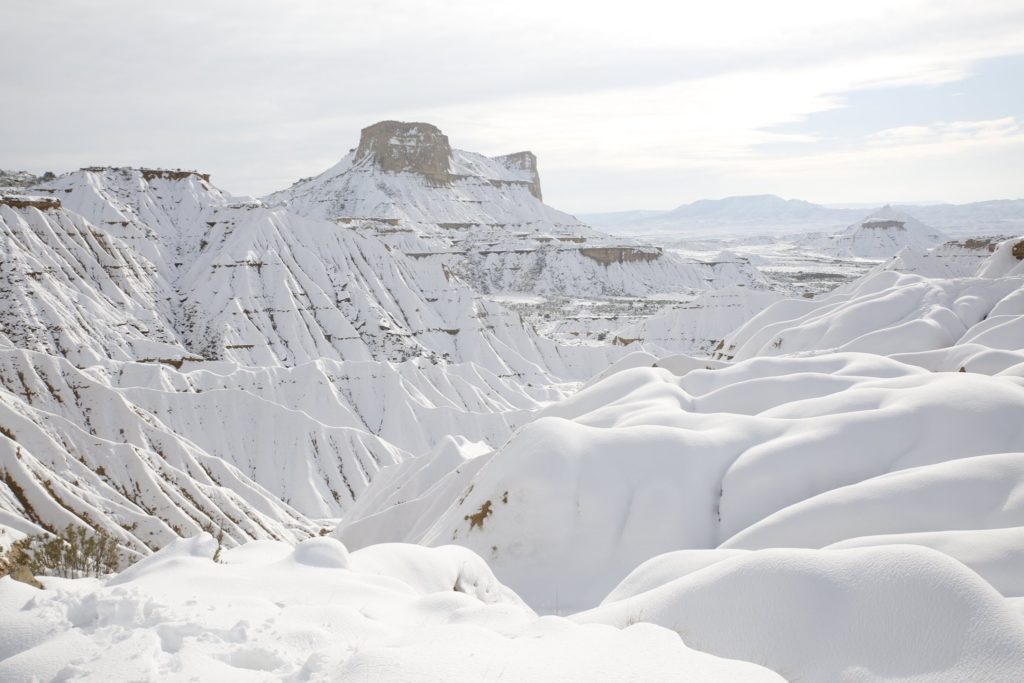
(888, 313)
(647, 461)
(968, 495)
(697, 326)
(316, 613)
(421, 407)
(881, 234)
(870, 614)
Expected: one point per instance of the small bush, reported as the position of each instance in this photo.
(77, 552)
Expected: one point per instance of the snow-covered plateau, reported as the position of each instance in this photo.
(403, 421)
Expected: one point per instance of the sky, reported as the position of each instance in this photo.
(628, 105)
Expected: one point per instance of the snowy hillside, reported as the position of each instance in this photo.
(409, 173)
(15, 182)
(882, 234)
(485, 219)
(956, 258)
(237, 281)
(387, 613)
(738, 428)
(699, 326)
(942, 324)
(73, 290)
(230, 333)
(647, 462)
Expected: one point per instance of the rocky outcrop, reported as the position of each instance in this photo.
(150, 173)
(167, 174)
(989, 244)
(884, 224)
(16, 181)
(22, 202)
(1018, 251)
(527, 163)
(609, 255)
(398, 147)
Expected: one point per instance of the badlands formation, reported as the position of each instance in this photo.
(403, 421)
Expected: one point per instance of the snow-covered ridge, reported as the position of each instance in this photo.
(975, 323)
(955, 258)
(703, 448)
(238, 281)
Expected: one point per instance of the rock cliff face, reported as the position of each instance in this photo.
(397, 147)
(609, 255)
(525, 162)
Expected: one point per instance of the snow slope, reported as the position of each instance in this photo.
(699, 325)
(74, 451)
(240, 282)
(70, 289)
(387, 613)
(300, 355)
(644, 462)
(970, 495)
(956, 258)
(882, 234)
(259, 288)
(871, 614)
(938, 323)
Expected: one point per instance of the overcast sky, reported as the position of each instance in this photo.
(628, 104)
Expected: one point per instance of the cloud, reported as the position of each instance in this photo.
(940, 133)
(260, 92)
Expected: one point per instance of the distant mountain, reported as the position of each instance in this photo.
(752, 208)
(997, 216)
(771, 214)
(743, 214)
